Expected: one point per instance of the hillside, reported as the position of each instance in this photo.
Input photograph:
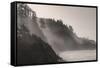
(31, 48)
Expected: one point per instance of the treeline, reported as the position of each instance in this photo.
(57, 26)
(24, 11)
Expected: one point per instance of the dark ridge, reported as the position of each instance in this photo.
(32, 50)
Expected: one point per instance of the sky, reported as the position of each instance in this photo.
(82, 19)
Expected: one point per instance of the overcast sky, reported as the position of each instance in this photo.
(82, 19)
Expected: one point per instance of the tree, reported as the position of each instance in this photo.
(42, 23)
(70, 28)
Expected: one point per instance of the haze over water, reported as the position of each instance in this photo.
(78, 55)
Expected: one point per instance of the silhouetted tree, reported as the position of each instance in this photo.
(70, 28)
(42, 23)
